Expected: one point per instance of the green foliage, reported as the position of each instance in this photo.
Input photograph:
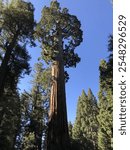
(9, 119)
(23, 119)
(57, 25)
(18, 66)
(59, 34)
(16, 21)
(70, 127)
(29, 142)
(16, 24)
(10, 101)
(86, 126)
(42, 76)
(34, 112)
(16, 31)
(105, 116)
(75, 144)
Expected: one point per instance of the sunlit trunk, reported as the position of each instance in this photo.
(58, 137)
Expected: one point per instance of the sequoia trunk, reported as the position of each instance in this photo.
(58, 137)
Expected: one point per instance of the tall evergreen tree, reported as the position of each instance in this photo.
(34, 112)
(59, 32)
(85, 128)
(16, 30)
(10, 101)
(75, 145)
(105, 116)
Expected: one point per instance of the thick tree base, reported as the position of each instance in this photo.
(57, 139)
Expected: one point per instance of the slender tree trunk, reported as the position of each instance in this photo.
(58, 137)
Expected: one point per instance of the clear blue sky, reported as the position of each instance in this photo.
(96, 20)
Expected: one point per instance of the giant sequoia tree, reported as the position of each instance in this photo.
(59, 32)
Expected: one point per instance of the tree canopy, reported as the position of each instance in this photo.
(16, 31)
(57, 23)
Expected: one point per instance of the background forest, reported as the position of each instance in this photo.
(36, 118)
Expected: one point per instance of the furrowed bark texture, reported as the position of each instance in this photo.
(58, 137)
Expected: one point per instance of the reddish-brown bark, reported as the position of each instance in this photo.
(58, 137)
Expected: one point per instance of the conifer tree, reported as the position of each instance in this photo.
(16, 30)
(34, 111)
(10, 115)
(10, 100)
(59, 32)
(105, 116)
(86, 126)
(75, 144)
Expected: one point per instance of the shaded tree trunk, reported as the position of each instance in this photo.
(58, 137)
(3, 74)
(4, 70)
(5, 61)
